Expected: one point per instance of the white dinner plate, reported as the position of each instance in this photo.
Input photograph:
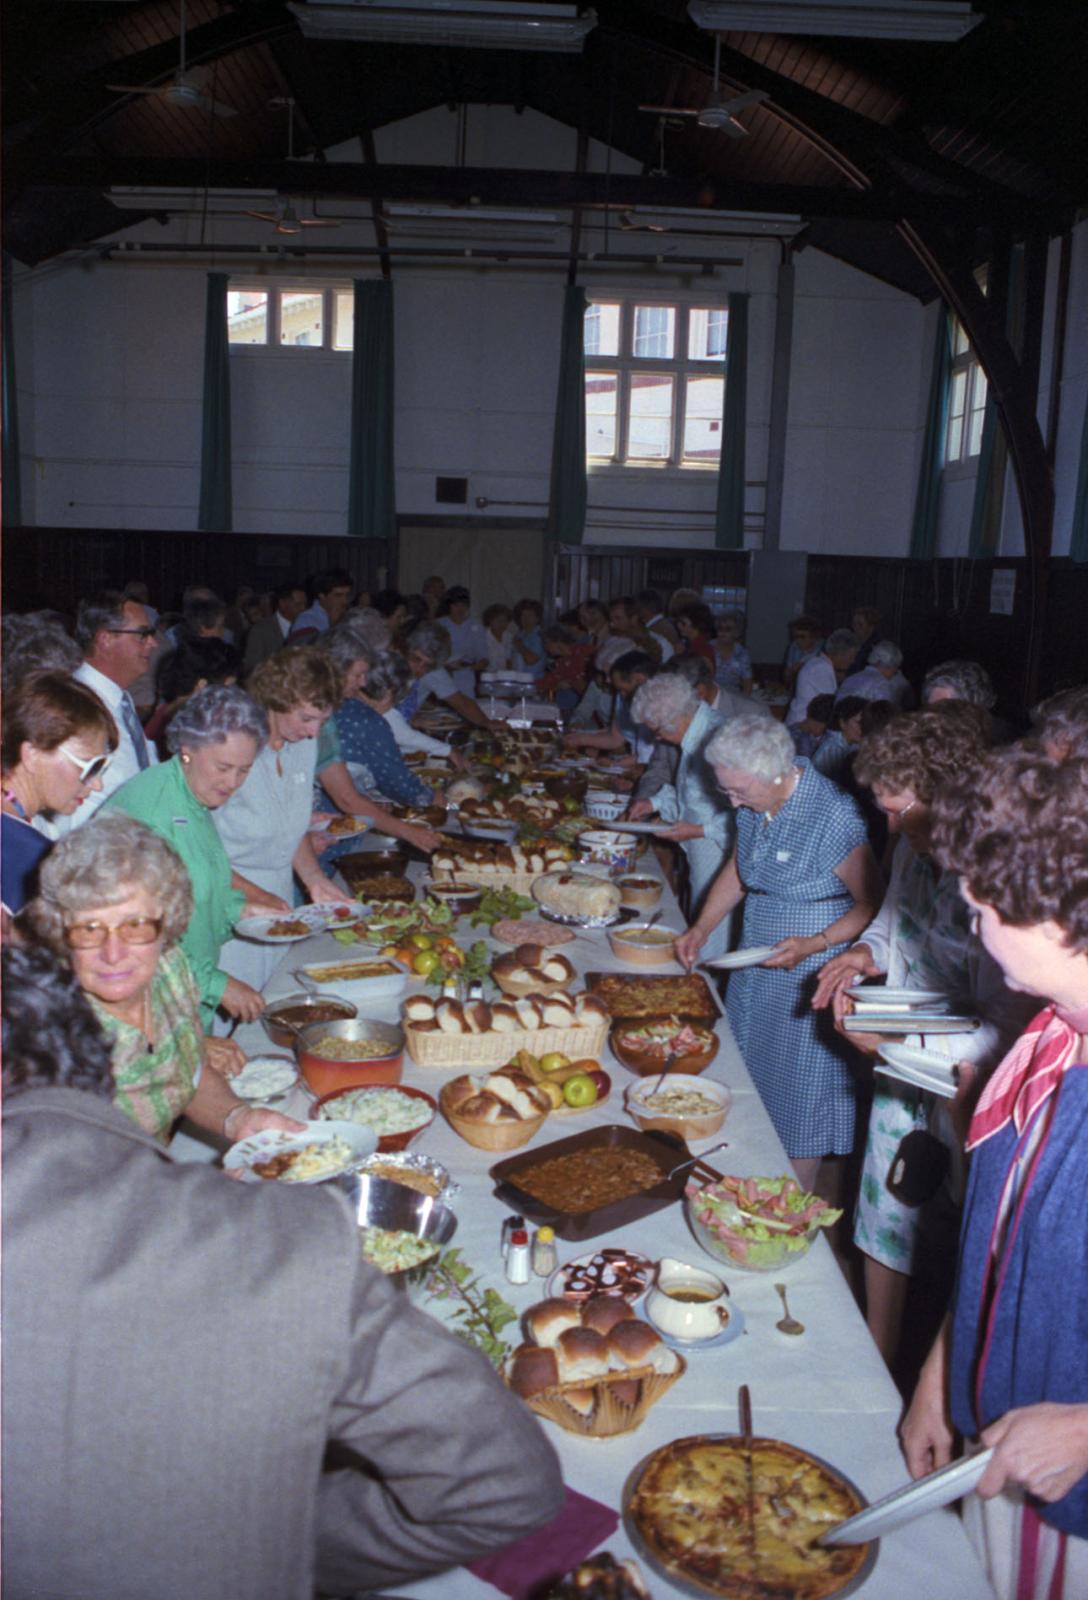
(883, 999)
(909, 1022)
(315, 919)
(930, 1493)
(923, 1069)
(742, 958)
(359, 825)
(641, 1268)
(243, 1156)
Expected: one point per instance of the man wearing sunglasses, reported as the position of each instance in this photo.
(117, 638)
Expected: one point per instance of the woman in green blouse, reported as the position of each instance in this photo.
(216, 736)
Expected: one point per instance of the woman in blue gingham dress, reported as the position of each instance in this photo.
(809, 884)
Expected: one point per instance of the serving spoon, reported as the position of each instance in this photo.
(787, 1324)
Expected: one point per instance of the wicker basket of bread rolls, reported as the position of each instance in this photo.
(594, 1369)
(531, 970)
(497, 1111)
(474, 1033)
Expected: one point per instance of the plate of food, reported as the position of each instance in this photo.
(766, 1544)
(577, 899)
(652, 995)
(323, 1150)
(265, 1078)
(361, 977)
(302, 922)
(343, 827)
(614, 1271)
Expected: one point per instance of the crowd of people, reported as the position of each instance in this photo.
(162, 774)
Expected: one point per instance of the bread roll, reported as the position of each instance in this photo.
(602, 1312)
(546, 1321)
(478, 1016)
(529, 955)
(589, 1008)
(557, 969)
(635, 1344)
(533, 1368)
(450, 1016)
(582, 1355)
(555, 1015)
(529, 1014)
(504, 1017)
(420, 1008)
(628, 1391)
(581, 1400)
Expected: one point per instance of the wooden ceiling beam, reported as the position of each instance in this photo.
(505, 186)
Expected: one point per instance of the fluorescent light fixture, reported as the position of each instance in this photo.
(130, 196)
(476, 24)
(943, 20)
(479, 214)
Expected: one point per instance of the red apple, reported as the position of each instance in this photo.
(603, 1082)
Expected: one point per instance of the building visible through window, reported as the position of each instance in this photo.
(300, 317)
(966, 400)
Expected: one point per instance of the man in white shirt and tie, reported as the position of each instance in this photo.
(117, 637)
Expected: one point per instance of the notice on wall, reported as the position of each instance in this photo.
(1003, 591)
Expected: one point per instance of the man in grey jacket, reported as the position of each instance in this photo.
(207, 1392)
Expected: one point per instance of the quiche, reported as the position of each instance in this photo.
(690, 1506)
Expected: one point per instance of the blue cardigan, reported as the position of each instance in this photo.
(1038, 1349)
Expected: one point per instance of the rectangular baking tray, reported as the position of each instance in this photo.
(709, 1012)
(665, 1148)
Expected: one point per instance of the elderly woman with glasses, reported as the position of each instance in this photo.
(700, 816)
(114, 902)
(1010, 1367)
(215, 737)
(806, 875)
(56, 744)
(920, 939)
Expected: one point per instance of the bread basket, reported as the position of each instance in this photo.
(433, 1048)
(492, 878)
(509, 1135)
(610, 1415)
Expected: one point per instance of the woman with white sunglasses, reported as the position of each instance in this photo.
(56, 744)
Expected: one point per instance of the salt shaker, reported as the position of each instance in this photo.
(517, 1257)
(508, 1225)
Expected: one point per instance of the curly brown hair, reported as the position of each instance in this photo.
(1016, 830)
(923, 751)
(298, 676)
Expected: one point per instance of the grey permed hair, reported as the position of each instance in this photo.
(388, 675)
(99, 865)
(664, 702)
(212, 715)
(758, 746)
(839, 642)
(346, 644)
(432, 642)
(967, 679)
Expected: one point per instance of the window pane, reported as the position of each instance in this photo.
(602, 389)
(704, 398)
(302, 318)
(602, 326)
(955, 438)
(649, 418)
(247, 316)
(654, 331)
(706, 333)
(978, 412)
(960, 344)
(343, 337)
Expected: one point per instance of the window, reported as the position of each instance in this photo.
(311, 318)
(967, 394)
(655, 383)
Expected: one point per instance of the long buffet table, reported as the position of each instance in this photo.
(827, 1391)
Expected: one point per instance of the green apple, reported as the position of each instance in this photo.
(579, 1090)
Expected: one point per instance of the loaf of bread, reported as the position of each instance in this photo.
(529, 1014)
(506, 1096)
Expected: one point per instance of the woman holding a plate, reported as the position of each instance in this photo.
(1010, 1366)
(114, 902)
(920, 940)
(809, 883)
(215, 736)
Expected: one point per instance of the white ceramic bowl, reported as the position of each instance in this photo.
(688, 1124)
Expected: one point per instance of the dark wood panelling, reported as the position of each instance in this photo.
(54, 567)
(607, 572)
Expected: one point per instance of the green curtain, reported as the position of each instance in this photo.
(729, 517)
(927, 498)
(12, 508)
(372, 512)
(567, 499)
(1078, 545)
(216, 514)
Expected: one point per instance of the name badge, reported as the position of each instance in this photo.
(781, 855)
(180, 822)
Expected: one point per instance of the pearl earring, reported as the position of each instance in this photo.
(778, 781)
(185, 760)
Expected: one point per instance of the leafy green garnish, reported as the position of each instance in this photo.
(497, 904)
(479, 1315)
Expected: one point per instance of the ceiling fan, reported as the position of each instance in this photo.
(185, 88)
(285, 219)
(719, 111)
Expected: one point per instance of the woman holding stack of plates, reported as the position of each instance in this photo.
(1010, 1366)
(921, 940)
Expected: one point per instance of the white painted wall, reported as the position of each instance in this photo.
(110, 356)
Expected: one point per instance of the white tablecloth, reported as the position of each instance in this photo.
(827, 1391)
